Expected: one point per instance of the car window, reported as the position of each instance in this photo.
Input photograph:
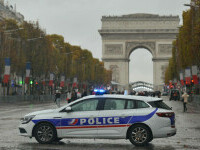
(131, 104)
(86, 105)
(159, 104)
(141, 104)
(114, 104)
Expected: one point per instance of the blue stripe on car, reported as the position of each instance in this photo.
(98, 120)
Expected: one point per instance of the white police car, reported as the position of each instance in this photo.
(137, 118)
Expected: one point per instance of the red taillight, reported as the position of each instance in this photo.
(166, 114)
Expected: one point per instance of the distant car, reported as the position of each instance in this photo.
(158, 93)
(164, 94)
(137, 118)
(174, 94)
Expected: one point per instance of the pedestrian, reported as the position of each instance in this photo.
(84, 93)
(185, 101)
(74, 96)
(69, 96)
(159, 94)
(78, 94)
(57, 98)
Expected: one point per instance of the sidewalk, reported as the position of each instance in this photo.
(192, 106)
(31, 103)
(27, 99)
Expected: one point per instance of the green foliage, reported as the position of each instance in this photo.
(186, 48)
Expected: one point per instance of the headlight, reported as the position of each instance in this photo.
(27, 119)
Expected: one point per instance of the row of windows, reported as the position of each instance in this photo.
(108, 104)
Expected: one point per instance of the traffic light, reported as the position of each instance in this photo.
(31, 82)
(21, 82)
(192, 83)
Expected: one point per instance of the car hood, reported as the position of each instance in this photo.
(41, 112)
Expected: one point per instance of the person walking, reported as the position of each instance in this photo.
(57, 98)
(69, 96)
(78, 94)
(185, 101)
(74, 96)
(84, 93)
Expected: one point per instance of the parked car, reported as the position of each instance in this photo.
(158, 93)
(164, 94)
(174, 95)
(137, 118)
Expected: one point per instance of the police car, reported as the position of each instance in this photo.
(137, 118)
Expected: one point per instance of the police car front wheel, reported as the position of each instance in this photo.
(139, 135)
(45, 133)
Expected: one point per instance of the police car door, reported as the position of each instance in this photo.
(114, 118)
(80, 122)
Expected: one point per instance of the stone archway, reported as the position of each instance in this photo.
(150, 46)
(123, 34)
(134, 46)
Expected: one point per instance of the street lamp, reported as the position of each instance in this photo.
(192, 4)
(7, 34)
(34, 38)
(66, 69)
(66, 58)
(194, 8)
(68, 53)
(8, 31)
(79, 61)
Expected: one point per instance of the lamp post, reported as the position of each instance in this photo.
(69, 53)
(194, 8)
(192, 4)
(78, 69)
(32, 39)
(195, 59)
(19, 40)
(32, 87)
(97, 72)
(13, 30)
(6, 53)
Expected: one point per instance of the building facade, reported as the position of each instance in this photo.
(9, 12)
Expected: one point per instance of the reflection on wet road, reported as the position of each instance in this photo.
(90, 146)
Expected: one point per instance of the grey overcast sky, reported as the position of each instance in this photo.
(79, 20)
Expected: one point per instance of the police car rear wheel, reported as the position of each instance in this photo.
(139, 135)
(45, 133)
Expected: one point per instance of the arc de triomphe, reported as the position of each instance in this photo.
(121, 35)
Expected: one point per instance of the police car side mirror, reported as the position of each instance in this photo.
(68, 109)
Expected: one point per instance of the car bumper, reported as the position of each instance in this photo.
(164, 132)
(26, 129)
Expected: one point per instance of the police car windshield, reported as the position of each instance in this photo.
(159, 104)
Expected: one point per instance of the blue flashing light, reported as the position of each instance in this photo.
(99, 91)
(102, 91)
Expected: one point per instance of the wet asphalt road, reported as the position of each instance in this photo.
(187, 137)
